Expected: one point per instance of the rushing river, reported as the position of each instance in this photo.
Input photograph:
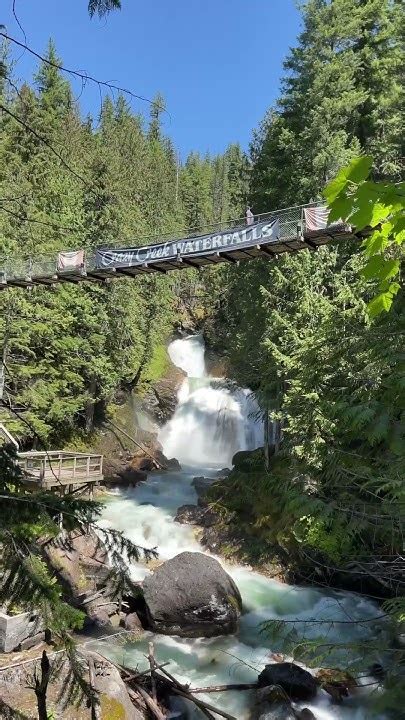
(211, 422)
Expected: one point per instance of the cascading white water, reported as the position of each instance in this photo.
(146, 515)
(213, 419)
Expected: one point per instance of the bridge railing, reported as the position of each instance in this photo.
(291, 219)
(60, 467)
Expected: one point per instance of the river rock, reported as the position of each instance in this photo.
(298, 683)
(167, 463)
(133, 623)
(191, 595)
(244, 459)
(224, 473)
(129, 477)
(194, 515)
(337, 683)
(284, 711)
(202, 486)
(306, 714)
(271, 704)
(81, 563)
(114, 701)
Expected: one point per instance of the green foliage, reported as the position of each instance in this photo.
(29, 520)
(103, 7)
(380, 206)
(326, 536)
(69, 350)
(297, 330)
(157, 365)
(342, 94)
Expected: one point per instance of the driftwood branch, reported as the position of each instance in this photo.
(224, 688)
(151, 658)
(205, 707)
(159, 675)
(95, 704)
(149, 702)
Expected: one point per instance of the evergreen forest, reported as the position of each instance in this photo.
(328, 502)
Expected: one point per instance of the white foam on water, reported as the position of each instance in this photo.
(212, 420)
(209, 425)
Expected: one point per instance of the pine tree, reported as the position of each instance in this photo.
(341, 94)
(296, 330)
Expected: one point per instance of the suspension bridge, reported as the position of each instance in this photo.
(267, 235)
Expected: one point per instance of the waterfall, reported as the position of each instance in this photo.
(211, 414)
(212, 420)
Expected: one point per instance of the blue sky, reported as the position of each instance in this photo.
(217, 62)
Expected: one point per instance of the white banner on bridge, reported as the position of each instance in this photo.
(201, 246)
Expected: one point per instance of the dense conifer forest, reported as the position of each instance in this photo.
(330, 502)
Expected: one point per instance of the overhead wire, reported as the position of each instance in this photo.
(84, 76)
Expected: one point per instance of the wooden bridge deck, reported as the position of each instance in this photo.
(59, 469)
(292, 236)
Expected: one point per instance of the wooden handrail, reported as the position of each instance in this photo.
(61, 466)
(56, 453)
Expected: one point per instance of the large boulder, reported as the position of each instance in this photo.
(296, 682)
(271, 704)
(195, 515)
(191, 595)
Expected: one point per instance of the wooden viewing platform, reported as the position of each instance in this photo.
(56, 469)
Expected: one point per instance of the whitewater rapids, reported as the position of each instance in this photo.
(211, 422)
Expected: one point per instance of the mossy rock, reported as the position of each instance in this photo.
(111, 709)
(248, 460)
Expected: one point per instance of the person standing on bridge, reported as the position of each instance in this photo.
(250, 218)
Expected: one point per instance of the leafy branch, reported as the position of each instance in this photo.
(365, 204)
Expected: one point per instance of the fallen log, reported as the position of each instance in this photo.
(131, 675)
(205, 707)
(149, 702)
(151, 658)
(224, 688)
(158, 465)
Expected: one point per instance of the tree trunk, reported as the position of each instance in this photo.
(89, 409)
(41, 687)
(266, 440)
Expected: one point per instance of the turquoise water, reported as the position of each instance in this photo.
(210, 424)
(146, 516)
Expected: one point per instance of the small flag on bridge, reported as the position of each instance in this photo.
(71, 260)
(316, 218)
